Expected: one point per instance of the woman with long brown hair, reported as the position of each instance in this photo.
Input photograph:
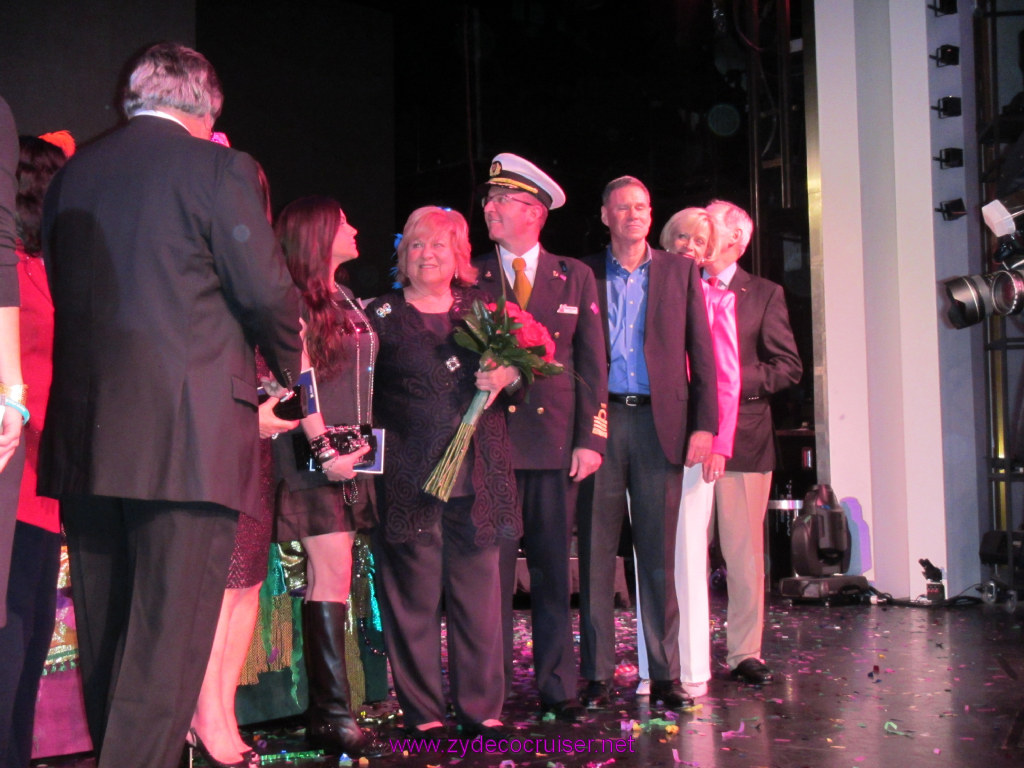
(324, 505)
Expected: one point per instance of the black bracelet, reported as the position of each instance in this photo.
(320, 444)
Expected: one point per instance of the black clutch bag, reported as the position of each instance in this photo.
(348, 438)
(344, 438)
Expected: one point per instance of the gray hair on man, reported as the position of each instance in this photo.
(171, 75)
(735, 217)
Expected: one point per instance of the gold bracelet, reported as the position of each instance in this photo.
(14, 393)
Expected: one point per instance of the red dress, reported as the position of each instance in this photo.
(252, 538)
(37, 370)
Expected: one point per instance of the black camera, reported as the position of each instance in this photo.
(975, 297)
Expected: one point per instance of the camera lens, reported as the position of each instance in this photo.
(970, 299)
(1008, 292)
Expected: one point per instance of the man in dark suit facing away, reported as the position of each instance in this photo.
(164, 275)
(769, 362)
(662, 413)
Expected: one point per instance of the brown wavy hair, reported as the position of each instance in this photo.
(38, 161)
(305, 230)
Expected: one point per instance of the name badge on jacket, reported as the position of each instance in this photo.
(565, 309)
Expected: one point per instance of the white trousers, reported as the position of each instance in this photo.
(691, 575)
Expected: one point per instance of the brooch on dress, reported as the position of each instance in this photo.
(384, 310)
(452, 364)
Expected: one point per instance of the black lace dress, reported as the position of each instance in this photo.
(425, 383)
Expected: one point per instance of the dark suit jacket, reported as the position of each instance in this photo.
(8, 298)
(676, 330)
(8, 188)
(164, 274)
(769, 362)
(566, 411)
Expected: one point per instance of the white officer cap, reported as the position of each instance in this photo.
(514, 172)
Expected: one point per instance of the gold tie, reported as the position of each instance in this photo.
(521, 287)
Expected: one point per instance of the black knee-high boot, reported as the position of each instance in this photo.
(330, 724)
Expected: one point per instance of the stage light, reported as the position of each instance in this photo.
(948, 106)
(950, 157)
(952, 209)
(946, 56)
(724, 120)
(944, 7)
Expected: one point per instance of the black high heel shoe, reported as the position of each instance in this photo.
(245, 760)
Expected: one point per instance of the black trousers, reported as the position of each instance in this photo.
(548, 499)
(148, 580)
(442, 563)
(634, 469)
(10, 486)
(25, 641)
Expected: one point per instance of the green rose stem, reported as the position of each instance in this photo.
(491, 334)
(441, 480)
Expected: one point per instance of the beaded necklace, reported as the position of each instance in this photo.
(364, 322)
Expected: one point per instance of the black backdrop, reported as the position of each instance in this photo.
(387, 106)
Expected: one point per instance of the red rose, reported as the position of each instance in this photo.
(515, 313)
(533, 334)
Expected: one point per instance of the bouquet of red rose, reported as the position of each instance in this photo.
(503, 334)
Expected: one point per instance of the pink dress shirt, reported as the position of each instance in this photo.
(721, 306)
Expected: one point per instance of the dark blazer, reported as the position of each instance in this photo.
(769, 362)
(164, 274)
(8, 188)
(566, 411)
(676, 330)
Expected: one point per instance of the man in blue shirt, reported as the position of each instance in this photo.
(662, 412)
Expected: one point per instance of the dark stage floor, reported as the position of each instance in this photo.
(857, 687)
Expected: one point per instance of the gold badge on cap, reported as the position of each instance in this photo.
(495, 168)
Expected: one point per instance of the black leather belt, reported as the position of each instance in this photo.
(631, 400)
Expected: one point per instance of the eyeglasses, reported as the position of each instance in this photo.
(504, 199)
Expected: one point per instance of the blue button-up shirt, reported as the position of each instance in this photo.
(627, 309)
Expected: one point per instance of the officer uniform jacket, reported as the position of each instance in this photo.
(568, 410)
